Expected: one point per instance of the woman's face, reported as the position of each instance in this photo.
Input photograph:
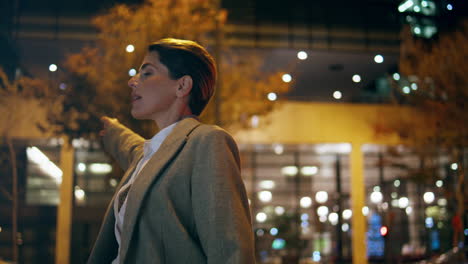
(153, 91)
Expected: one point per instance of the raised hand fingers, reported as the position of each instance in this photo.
(106, 121)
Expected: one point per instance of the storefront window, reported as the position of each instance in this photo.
(407, 204)
(299, 196)
(96, 175)
(43, 173)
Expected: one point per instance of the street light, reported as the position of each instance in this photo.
(356, 78)
(454, 166)
(272, 96)
(53, 68)
(302, 55)
(287, 78)
(337, 95)
(378, 58)
(130, 48)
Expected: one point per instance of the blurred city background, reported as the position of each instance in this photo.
(350, 116)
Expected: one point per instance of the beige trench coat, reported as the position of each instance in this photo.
(187, 205)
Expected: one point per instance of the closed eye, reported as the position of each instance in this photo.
(144, 67)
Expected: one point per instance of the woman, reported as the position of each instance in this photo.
(182, 199)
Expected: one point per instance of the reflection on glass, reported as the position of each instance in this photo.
(279, 210)
(261, 217)
(265, 196)
(306, 202)
(347, 214)
(321, 196)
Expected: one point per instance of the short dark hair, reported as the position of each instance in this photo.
(185, 57)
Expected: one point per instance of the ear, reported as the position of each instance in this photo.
(185, 86)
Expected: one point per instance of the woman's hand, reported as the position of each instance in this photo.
(107, 122)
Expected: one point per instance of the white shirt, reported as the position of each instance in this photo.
(150, 147)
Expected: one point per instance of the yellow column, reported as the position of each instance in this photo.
(64, 209)
(358, 223)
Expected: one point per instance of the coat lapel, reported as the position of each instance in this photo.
(122, 182)
(128, 173)
(152, 170)
(105, 250)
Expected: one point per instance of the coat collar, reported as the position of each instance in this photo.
(152, 171)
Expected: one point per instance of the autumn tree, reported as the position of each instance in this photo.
(98, 75)
(20, 100)
(434, 82)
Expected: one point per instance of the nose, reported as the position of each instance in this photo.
(132, 83)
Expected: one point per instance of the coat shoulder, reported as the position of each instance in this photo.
(205, 131)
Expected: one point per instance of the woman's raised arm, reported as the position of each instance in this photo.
(122, 143)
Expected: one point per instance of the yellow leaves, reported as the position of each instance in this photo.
(440, 68)
(139, 26)
(98, 75)
(84, 63)
(243, 88)
(23, 87)
(6, 85)
(22, 101)
(243, 85)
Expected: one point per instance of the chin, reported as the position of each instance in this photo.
(137, 115)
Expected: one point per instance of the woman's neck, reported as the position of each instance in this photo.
(171, 117)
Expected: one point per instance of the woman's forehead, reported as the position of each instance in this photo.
(152, 58)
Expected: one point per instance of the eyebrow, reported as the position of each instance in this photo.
(145, 65)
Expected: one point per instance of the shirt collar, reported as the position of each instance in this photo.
(153, 144)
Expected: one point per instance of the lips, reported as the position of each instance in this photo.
(135, 97)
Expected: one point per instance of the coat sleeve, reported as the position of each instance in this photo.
(122, 143)
(219, 200)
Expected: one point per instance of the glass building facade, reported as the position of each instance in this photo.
(301, 205)
(299, 196)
